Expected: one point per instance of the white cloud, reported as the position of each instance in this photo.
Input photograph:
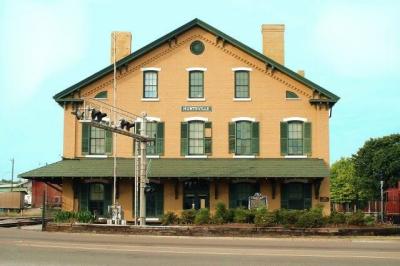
(42, 38)
(359, 37)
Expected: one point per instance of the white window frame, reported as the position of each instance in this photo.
(204, 69)
(243, 118)
(294, 118)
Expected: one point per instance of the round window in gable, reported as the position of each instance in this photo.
(197, 47)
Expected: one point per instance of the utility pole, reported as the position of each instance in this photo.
(143, 163)
(12, 174)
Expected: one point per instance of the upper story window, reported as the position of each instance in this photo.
(244, 137)
(242, 80)
(290, 95)
(101, 95)
(196, 84)
(154, 129)
(295, 137)
(96, 141)
(150, 84)
(196, 138)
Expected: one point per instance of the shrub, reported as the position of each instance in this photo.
(169, 218)
(202, 217)
(242, 215)
(356, 218)
(188, 216)
(265, 218)
(310, 218)
(64, 216)
(84, 217)
(221, 214)
(288, 217)
(369, 220)
(337, 218)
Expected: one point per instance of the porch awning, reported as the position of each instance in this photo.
(185, 168)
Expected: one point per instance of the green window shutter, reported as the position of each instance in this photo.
(307, 196)
(232, 137)
(284, 138)
(255, 138)
(107, 197)
(85, 138)
(208, 140)
(184, 138)
(307, 138)
(160, 138)
(109, 142)
(84, 197)
(284, 197)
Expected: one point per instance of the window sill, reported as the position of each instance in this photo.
(292, 99)
(96, 156)
(295, 156)
(196, 99)
(150, 99)
(244, 156)
(242, 99)
(196, 156)
(151, 156)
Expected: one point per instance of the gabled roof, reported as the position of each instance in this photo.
(186, 168)
(194, 23)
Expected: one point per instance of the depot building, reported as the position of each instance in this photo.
(228, 122)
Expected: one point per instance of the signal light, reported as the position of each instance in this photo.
(149, 189)
(124, 124)
(78, 114)
(97, 115)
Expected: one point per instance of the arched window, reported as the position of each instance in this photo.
(101, 95)
(291, 95)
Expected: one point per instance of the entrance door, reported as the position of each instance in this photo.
(296, 196)
(155, 201)
(196, 194)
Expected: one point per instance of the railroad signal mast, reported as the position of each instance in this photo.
(101, 115)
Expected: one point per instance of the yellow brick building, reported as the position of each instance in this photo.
(228, 122)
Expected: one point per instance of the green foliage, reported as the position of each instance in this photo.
(242, 215)
(84, 217)
(378, 158)
(221, 214)
(169, 218)
(288, 217)
(64, 217)
(188, 216)
(337, 218)
(265, 218)
(369, 220)
(202, 217)
(356, 218)
(310, 218)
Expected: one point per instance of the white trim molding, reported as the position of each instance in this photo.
(150, 99)
(244, 156)
(196, 118)
(292, 99)
(242, 99)
(149, 118)
(150, 156)
(242, 69)
(99, 156)
(196, 156)
(295, 156)
(196, 99)
(243, 118)
(150, 69)
(196, 69)
(294, 118)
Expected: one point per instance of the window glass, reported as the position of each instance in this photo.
(243, 138)
(150, 84)
(295, 138)
(196, 84)
(101, 95)
(97, 141)
(196, 138)
(96, 192)
(239, 194)
(242, 84)
(151, 131)
(291, 95)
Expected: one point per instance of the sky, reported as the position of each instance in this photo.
(351, 48)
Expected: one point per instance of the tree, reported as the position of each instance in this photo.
(346, 186)
(378, 159)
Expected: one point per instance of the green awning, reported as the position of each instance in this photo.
(186, 168)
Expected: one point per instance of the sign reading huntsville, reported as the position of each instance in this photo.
(196, 109)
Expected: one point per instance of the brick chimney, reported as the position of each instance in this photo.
(274, 41)
(123, 43)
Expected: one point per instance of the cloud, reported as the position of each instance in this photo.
(42, 38)
(359, 36)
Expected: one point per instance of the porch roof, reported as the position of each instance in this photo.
(185, 168)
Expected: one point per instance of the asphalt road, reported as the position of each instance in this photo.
(30, 247)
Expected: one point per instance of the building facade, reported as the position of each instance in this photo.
(227, 120)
